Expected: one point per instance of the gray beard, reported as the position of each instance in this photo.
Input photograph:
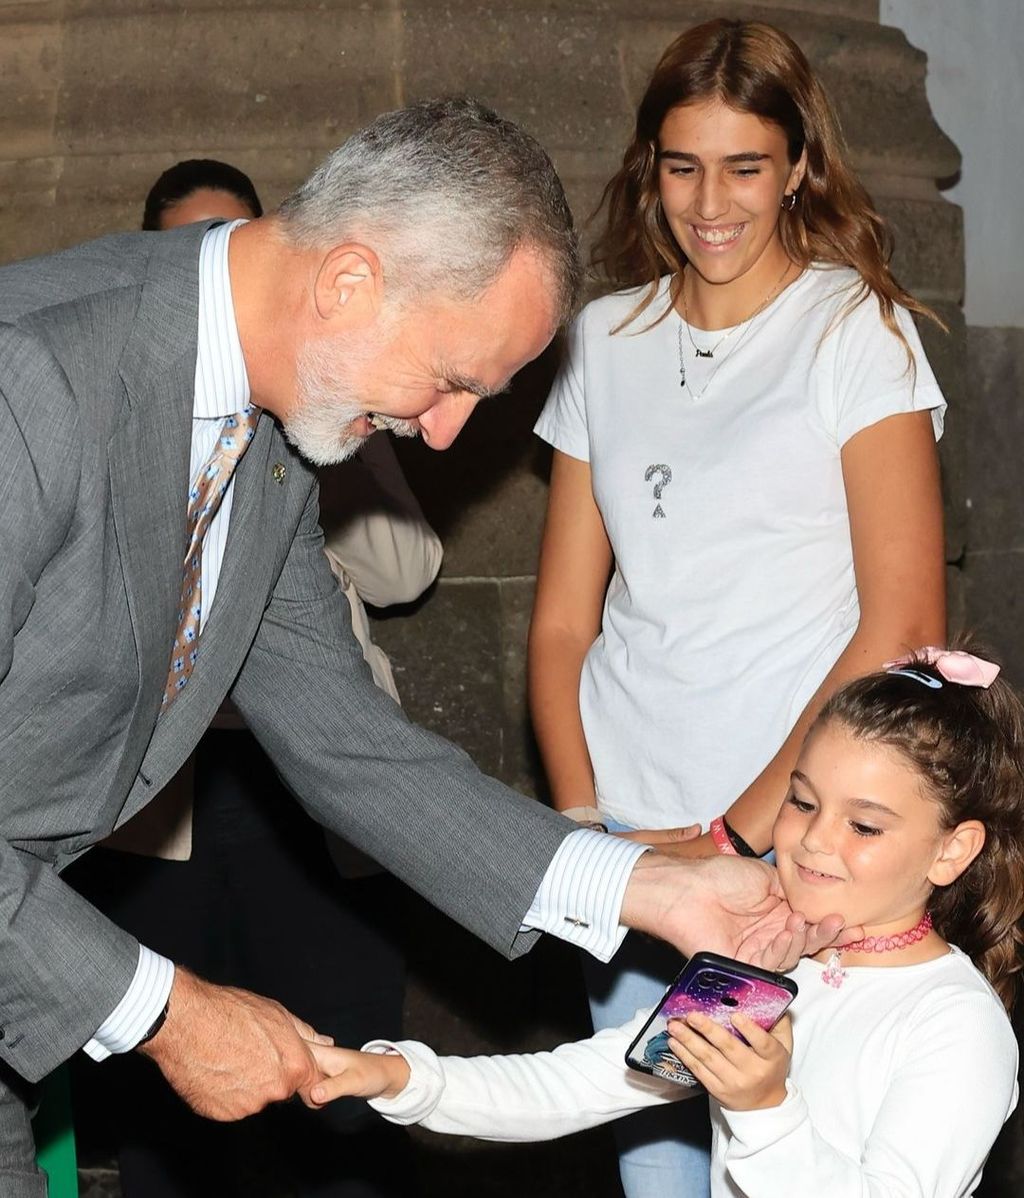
(326, 406)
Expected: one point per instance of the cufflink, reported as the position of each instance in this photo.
(277, 472)
(576, 921)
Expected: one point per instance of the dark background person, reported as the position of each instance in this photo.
(199, 189)
(226, 873)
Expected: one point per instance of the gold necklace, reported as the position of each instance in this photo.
(746, 324)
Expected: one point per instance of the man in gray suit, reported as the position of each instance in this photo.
(418, 269)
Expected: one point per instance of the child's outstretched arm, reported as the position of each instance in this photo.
(533, 1096)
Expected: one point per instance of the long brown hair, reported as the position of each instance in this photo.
(967, 744)
(755, 68)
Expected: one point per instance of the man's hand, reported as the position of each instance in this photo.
(729, 905)
(228, 1053)
(358, 1074)
(743, 1077)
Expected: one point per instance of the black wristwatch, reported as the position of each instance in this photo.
(156, 1025)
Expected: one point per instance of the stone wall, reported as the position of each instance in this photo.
(101, 95)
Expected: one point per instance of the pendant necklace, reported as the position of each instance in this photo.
(746, 325)
(833, 974)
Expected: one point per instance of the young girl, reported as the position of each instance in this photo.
(744, 442)
(905, 812)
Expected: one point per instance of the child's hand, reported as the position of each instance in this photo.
(743, 1077)
(358, 1074)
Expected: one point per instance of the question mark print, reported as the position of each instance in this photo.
(659, 487)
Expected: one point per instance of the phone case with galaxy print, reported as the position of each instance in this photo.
(717, 987)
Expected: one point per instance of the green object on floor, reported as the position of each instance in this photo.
(55, 1135)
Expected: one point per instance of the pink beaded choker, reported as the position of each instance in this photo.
(833, 973)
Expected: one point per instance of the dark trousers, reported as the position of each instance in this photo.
(19, 1177)
(259, 905)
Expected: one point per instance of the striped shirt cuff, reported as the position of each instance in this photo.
(580, 896)
(136, 1013)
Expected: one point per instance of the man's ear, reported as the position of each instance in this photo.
(959, 848)
(348, 285)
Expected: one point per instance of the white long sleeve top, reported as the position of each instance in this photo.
(899, 1084)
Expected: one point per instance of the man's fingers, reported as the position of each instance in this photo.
(307, 1033)
(847, 936)
(663, 835)
(779, 955)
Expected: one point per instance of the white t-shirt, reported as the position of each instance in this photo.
(726, 611)
(898, 1086)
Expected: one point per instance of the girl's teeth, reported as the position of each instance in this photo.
(717, 236)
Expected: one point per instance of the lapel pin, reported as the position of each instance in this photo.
(278, 472)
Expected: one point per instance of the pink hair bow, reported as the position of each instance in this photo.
(953, 664)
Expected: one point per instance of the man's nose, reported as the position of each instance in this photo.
(442, 423)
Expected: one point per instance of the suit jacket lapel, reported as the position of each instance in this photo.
(149, 456)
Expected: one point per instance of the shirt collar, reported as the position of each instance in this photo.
(222, 384)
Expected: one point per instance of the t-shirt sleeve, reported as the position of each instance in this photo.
(563, 422)
(871, 375)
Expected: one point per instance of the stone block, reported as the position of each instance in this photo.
(995, 430)
(876, 80)
(447, 662)
(522, 764)
(30, 72)
(268, 76)
(995, 604)
(526, 60)
(929, 240)
(946, 355)
(957, 619)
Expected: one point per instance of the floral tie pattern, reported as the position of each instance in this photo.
(204, 500)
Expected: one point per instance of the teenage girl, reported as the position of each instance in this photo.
(905, 812)
(744, 437)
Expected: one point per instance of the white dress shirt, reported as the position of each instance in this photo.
(580, 895)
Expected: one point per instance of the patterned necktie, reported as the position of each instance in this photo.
(204, 500)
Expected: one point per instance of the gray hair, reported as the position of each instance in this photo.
(448, 190)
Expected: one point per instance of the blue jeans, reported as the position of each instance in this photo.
(664, 1152)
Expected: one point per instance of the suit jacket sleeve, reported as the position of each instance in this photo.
(63, 966)
(414, 802)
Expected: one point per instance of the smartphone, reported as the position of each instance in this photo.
(717, 987)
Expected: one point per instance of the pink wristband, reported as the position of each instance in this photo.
(721, 837)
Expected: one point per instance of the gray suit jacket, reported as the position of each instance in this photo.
(97, 365)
